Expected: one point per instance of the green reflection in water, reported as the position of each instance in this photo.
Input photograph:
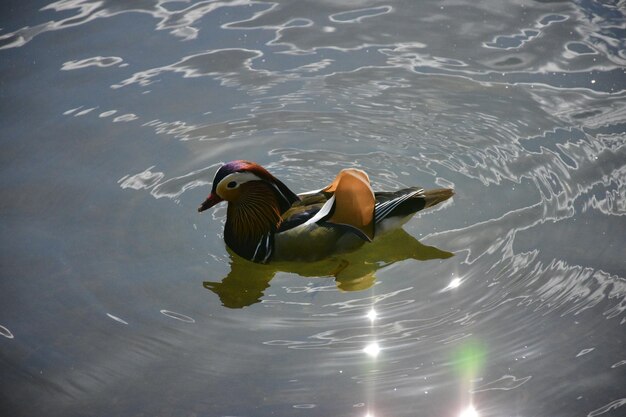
(355, 271)
(469, 358)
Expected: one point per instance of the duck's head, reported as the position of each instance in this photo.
(236, 179)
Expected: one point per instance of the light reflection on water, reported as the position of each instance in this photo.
(508, 299)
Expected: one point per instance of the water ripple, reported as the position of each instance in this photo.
(180, 23)
(610, 406)
(6, 332)
(506, 383)
(585, 351)
(177, 316)
(117, 319)
(97, 61)
(232, 67)
(356, 16)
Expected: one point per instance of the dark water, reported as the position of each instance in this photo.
(118, 299)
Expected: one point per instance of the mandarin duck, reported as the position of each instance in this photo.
(266, 221)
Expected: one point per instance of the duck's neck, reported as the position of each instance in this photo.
(251, 223)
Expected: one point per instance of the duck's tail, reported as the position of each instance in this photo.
(436, 196)
(408, 201)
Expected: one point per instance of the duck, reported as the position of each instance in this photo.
(267, 222)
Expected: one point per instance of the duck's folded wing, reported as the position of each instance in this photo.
(389, 203)
(408, 201)
(351, 205)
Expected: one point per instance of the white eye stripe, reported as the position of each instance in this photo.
(238, 178)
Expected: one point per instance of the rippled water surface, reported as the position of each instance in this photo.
(118, 299)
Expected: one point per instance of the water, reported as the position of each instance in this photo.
(118, 298)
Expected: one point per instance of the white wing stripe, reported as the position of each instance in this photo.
(268, 249)
(257, 249)
(323, 211)
(383, 209)
(389, 207)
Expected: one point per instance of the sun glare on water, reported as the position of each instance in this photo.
(372, 349)
(469, 412)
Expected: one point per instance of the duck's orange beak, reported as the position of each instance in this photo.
(210, 201)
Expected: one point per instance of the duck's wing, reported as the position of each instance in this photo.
(303, 210)
(408, 201)
(347, 203)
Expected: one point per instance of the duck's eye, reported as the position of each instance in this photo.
(231, 184)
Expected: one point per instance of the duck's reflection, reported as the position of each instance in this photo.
(354, 271)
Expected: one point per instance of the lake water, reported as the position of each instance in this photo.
(118, 299)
